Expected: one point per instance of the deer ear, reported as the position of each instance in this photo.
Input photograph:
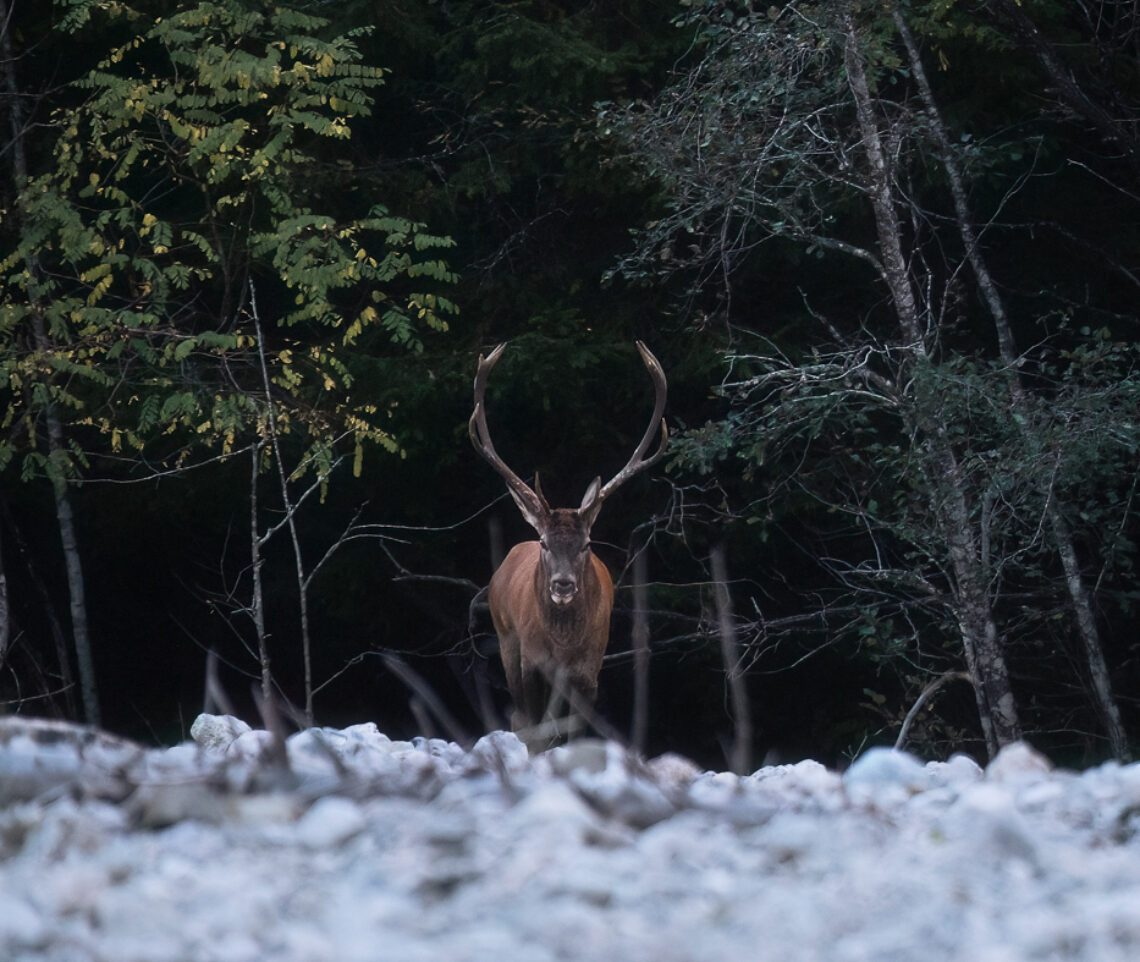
(591, 505)
(533, 512)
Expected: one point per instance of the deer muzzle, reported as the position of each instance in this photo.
(563, 590)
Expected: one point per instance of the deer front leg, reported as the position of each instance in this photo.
(531, 697)
(553, 705)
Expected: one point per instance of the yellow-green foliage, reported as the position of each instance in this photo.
(188, 178)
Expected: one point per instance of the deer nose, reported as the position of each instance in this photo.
(562, 590)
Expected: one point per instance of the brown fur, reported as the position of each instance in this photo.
(542, 643)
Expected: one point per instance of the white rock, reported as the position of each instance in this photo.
(39, 755)
(715, 790)
(987, 819)
(21, 926)
(499, 748)
(555, 814)
(159, 804)
(582, 754)
(215, 733)
(883, 776)
(1016, 761)
(958, 770)
(622, 788)
(806, 781)
(673, 772)
(449, 753)
(365, 734)
(252, 745)
(187, 758)
(442, 859)
(329, 822)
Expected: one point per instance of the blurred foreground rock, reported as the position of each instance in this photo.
(346, 846)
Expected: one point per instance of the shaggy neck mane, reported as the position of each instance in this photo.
(566, 622)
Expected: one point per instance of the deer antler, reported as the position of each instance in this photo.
(639, 462)
(530, 502)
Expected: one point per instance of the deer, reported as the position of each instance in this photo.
(551, 599)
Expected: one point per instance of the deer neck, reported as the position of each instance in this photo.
(566, 622)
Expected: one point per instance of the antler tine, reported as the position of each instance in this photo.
(481, 435)
(639, 462)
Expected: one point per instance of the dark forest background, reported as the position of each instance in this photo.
(887, 252)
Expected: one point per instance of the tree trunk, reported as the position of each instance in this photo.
(75, 587)
(1079, 598)
(981, 644)
(56, 448)
(5, 612)
(290, 511)
(741, 755)
(640, 644)
(1099, 676)
(69, 541)
(257, 609)
(66, 680)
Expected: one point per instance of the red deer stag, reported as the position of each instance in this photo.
(551, 599)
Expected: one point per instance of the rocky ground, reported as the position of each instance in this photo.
(345, 846)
